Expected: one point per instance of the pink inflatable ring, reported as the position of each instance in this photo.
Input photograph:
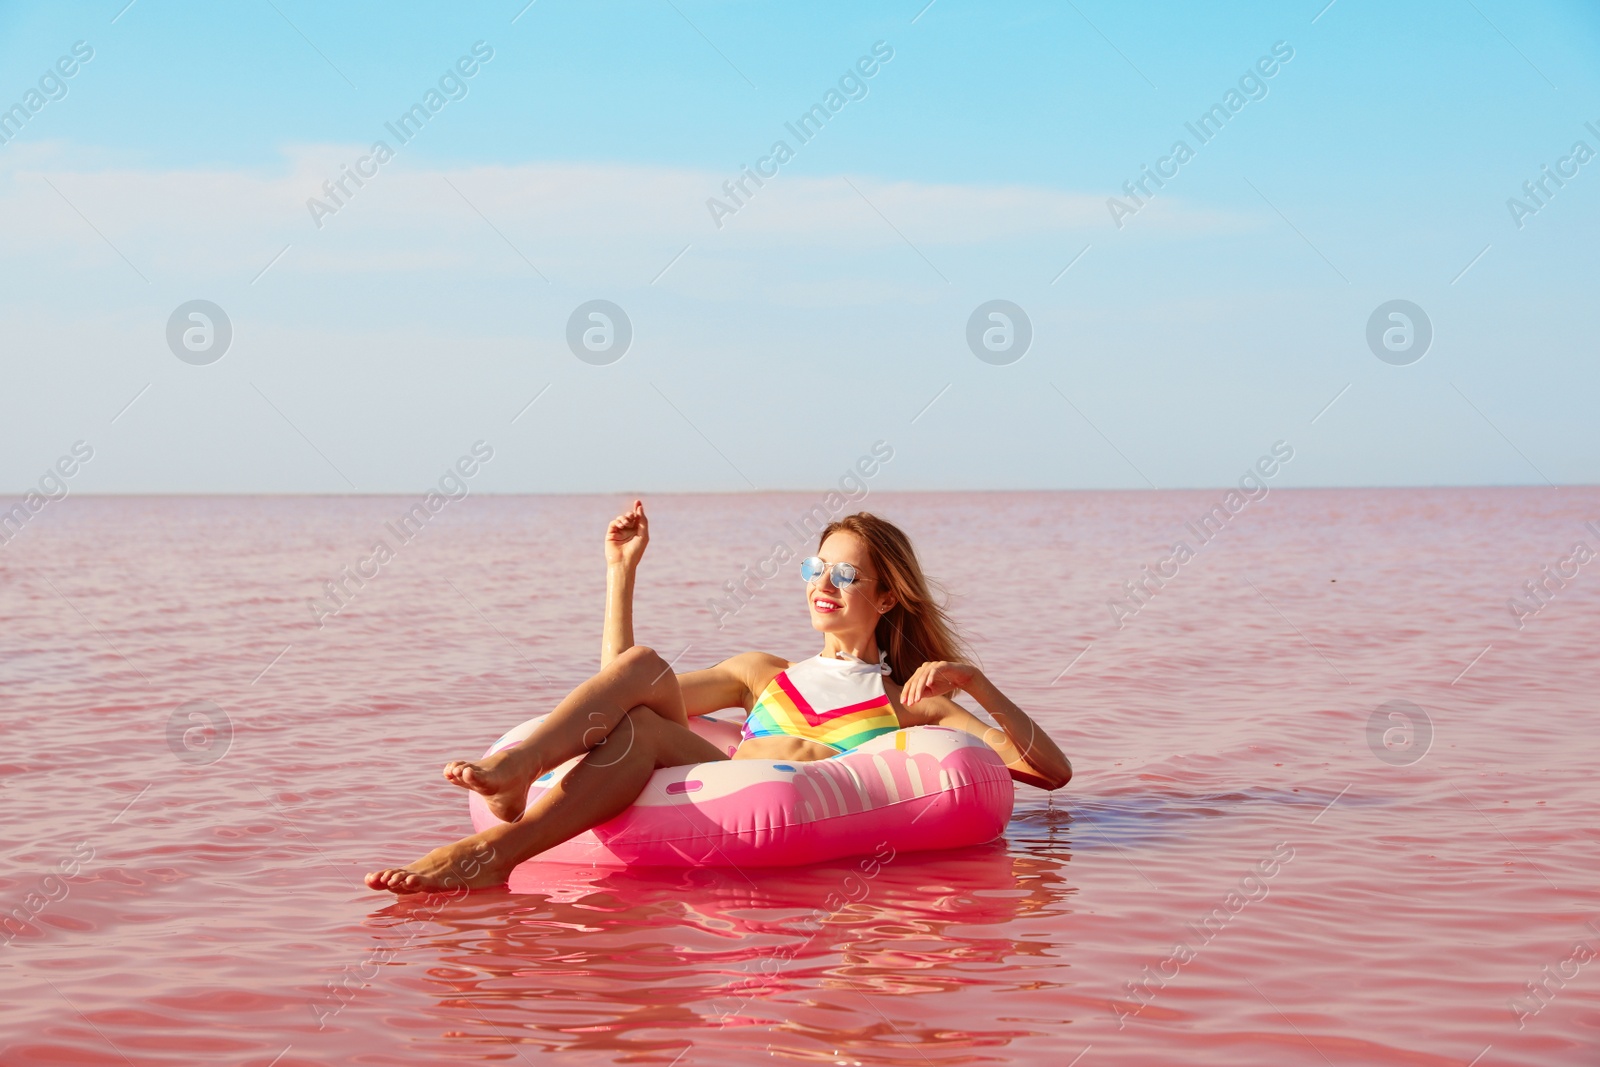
(923, 788)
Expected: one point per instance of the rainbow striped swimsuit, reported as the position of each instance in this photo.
(839, 703)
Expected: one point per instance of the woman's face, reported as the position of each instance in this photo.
(853, 609)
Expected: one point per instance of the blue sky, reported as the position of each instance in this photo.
(831, 309)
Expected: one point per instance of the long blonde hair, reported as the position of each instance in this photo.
(916, 630)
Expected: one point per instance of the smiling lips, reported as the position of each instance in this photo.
(825, 606)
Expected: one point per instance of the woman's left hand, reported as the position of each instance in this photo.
(937, 678)
(627, 537)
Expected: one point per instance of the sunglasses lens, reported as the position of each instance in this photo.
(841, 574)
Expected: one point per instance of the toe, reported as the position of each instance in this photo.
(382, 880)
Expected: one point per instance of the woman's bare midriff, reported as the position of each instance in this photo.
(781, 748)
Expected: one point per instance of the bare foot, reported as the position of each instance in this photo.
(470, 863)
(502, 779)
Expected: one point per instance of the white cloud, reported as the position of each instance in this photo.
(566, 218)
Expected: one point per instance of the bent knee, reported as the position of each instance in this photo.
(639, 658)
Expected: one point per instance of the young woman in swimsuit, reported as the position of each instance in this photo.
(888, 661)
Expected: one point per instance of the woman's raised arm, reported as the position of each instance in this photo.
(626, 539)
(1027, 750)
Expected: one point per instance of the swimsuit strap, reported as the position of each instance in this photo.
(882, 666)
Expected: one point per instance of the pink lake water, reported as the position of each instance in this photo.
(1249, 867)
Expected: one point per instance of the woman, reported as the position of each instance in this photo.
(867, 596)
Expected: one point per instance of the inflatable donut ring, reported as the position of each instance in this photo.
(916, 789)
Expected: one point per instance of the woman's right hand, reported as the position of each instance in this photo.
(627, 537)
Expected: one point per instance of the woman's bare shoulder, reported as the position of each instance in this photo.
(758, 668)
(734, 682)
(754, 671)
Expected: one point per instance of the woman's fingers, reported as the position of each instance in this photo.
(931, 678)
(917, 684)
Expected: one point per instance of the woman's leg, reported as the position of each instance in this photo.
(584, 720)
(598, 788)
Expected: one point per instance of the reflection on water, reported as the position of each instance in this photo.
(1150, 818)
(821, 957)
